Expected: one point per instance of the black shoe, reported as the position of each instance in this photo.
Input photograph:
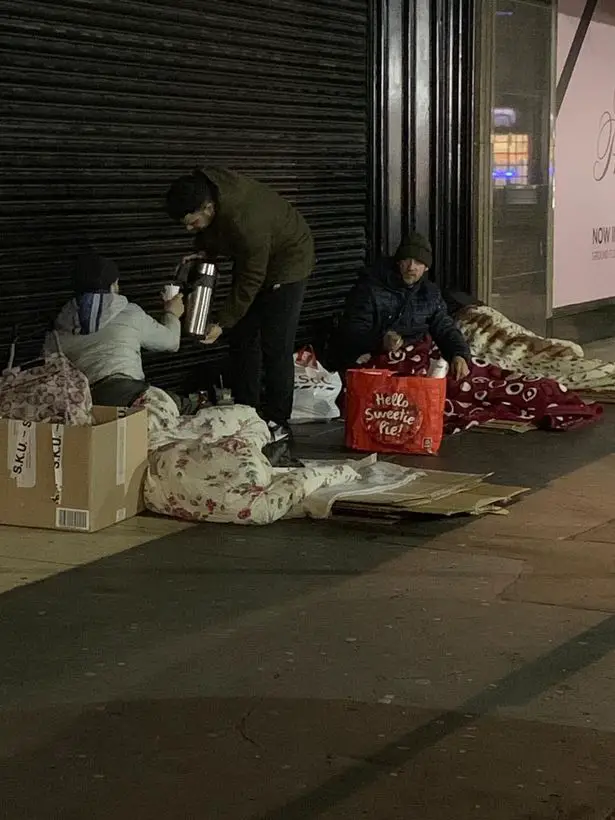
(278, 451)
(279, 432)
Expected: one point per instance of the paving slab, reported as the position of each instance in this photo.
(439, 669)
(602, 534)
(532, 459)
(293, 672)
(30, 555)
(294, 760)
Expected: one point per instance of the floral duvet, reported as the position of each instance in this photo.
(210, 467)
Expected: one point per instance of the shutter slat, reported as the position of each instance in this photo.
(105, 101)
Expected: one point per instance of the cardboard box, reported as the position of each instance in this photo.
(73, 478)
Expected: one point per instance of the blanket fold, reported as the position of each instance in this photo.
(490, 393)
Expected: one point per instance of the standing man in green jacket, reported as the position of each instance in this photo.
(273, 252)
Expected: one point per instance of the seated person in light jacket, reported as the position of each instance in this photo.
(102, 333)
(394, 304)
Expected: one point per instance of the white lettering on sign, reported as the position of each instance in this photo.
(391, 400)
(391, 418)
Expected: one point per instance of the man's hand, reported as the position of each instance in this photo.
(392, 342)
(459, 368)
(212, 334)
(191, 256)
(175, 306)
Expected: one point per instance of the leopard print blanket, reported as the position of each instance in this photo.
(493, 337)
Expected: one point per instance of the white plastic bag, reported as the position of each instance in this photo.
(316, 390)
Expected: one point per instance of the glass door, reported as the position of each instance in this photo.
(516, 72)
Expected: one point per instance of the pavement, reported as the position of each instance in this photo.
(436, 669)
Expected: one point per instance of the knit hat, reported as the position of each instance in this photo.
(94, 274)
(415, 246)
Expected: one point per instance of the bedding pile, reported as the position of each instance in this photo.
(499, 341)
(210, 467)
(490, 393)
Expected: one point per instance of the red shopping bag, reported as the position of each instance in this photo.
(386, 413)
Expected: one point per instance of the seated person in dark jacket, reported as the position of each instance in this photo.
(395, 304)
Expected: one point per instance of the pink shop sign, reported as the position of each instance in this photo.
(584, 240)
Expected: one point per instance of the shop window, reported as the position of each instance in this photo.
(511, 159)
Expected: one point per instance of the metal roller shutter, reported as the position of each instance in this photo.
(105, 101)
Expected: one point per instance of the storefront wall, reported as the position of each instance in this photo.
(107, 100)
(424, 140)
(584, 259)
(359, 111)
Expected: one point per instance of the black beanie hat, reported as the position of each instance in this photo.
(415, 246)
(94, 274)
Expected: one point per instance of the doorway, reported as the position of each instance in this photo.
(515, 203)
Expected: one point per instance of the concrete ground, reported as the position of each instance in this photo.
(602, 349)
(431, 670)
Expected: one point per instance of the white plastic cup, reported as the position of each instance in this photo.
(438, 369)
(170, 292)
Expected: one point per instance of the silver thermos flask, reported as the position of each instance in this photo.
(198, 279)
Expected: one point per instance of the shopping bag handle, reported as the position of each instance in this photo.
(306, 356)
(13, 349)
(372, 371)
(56, 338)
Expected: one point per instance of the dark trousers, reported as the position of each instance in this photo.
(117, 391)
(122, 391)
(262, 346)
